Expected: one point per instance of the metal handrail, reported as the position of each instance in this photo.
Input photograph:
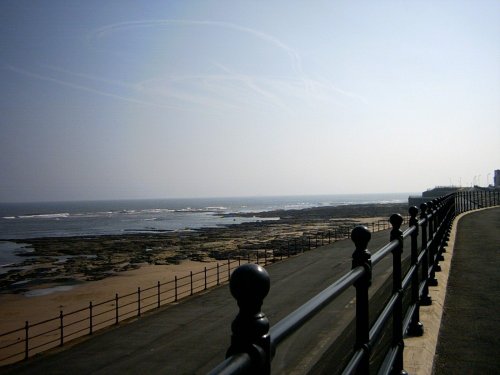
(286, 326)
(435, 221)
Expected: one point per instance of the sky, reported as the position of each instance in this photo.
(164, 99)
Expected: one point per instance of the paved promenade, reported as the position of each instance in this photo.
(469, 339)
(462, 326)
(192, 336)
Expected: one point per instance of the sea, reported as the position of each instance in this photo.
(89, 218)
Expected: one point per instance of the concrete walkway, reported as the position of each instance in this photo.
(462, 326)
(469, 339)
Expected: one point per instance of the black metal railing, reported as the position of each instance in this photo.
(254, 344)
(32, 338)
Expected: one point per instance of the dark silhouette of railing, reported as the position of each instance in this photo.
(254, 344)
(32, 338)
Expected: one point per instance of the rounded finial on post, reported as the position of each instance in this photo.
(396, 220)
(360, 235)
(430, 206)
(413, 211)
(423, 210)
(249, 285)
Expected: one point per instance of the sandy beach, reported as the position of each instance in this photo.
(15, 309)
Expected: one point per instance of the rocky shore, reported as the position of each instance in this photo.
(70, 260)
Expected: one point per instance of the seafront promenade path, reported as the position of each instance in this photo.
(191, 337)
(469, 338)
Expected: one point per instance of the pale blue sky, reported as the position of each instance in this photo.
(128, 99)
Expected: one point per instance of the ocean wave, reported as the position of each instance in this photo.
(204, 209)
(189, 209)
(156, 210)
(45, 216)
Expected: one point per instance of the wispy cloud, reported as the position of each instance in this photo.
(73, 85)
(293, 54)
(91, 77)
(233, 89)
(229, 89)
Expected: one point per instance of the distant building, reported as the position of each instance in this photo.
(430, 194)
(496, 178)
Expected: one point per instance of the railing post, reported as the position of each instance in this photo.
(361, 257)
(205, 278)
(158, 289)
(249, 285)
(432, 250)
(116, 308)
(90, 318)
(191, 282)
(425, 299)
(218, 272)
(175, 287)
(26, 339)
(138, 301)
(416, 328)
(396, 221)
(61, 328)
